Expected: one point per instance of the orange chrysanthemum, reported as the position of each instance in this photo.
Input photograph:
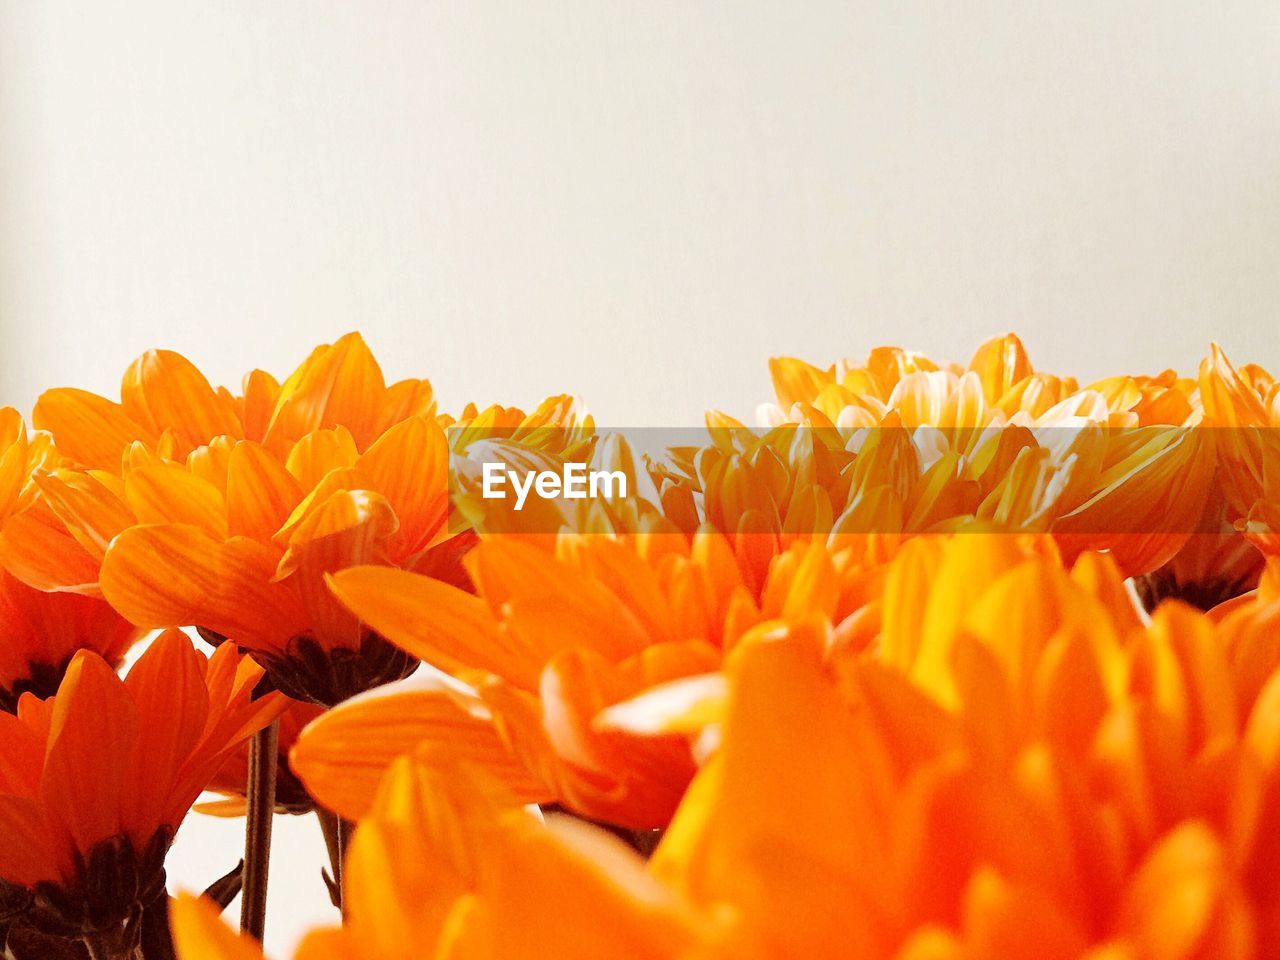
(236, 543)
(95, 781)
(186, 505)
(40, 632)
(1020, 769)
(551, 638)
(169, 407)
(1119, 465)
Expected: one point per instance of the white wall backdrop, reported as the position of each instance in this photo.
(638, 202)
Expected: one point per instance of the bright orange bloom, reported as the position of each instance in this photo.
(170, 413)
(31, 535)
(1118, 466)
(192, 507)
(1020, 770)
(95, 781)
(550, 639)
(168, 404)
(238, 544)
(438, 870)
(40, 632)
(999, 383)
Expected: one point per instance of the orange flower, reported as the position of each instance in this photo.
(168, 404)
(95, 781)
(238, 544)
(1021, 770)
(336, 401)
(437, 869)
(551, 638)
(40, 632)
(192, 507)
(1119, 466)
(31, 536)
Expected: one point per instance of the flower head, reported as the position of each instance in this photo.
(96, 780)
(549, 639)
(1022, 770)
(188, 506)
(1120, 465)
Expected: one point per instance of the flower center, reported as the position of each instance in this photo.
(104, 907)
(42, 679)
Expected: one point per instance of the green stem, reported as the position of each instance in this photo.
(263, 751)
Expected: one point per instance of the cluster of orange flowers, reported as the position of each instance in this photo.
(938, 662)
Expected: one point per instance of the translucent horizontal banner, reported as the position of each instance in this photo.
(1083, 479)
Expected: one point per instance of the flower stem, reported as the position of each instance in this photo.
(257, 832)
(329, 826)
(344, 837)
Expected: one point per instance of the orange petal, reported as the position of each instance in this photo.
(684, 706)
(88, 428)
(312, 458)
(1170, 905)
(173, 575)
(795, 381)
(409, 466)
(338, 384)
(349, 528)
(89, 505)
(342, 756)
(168, 686)
(26, 857)
(169, 493)
(260, 393)
(572, 869)
(91, 740)
(1017, 923)
(1001, 363)
(440, 624)
(200, 934)
(165, 391)
(37, 549)
(405, 399)
(261, 493)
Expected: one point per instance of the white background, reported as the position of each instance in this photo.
(638, 202)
